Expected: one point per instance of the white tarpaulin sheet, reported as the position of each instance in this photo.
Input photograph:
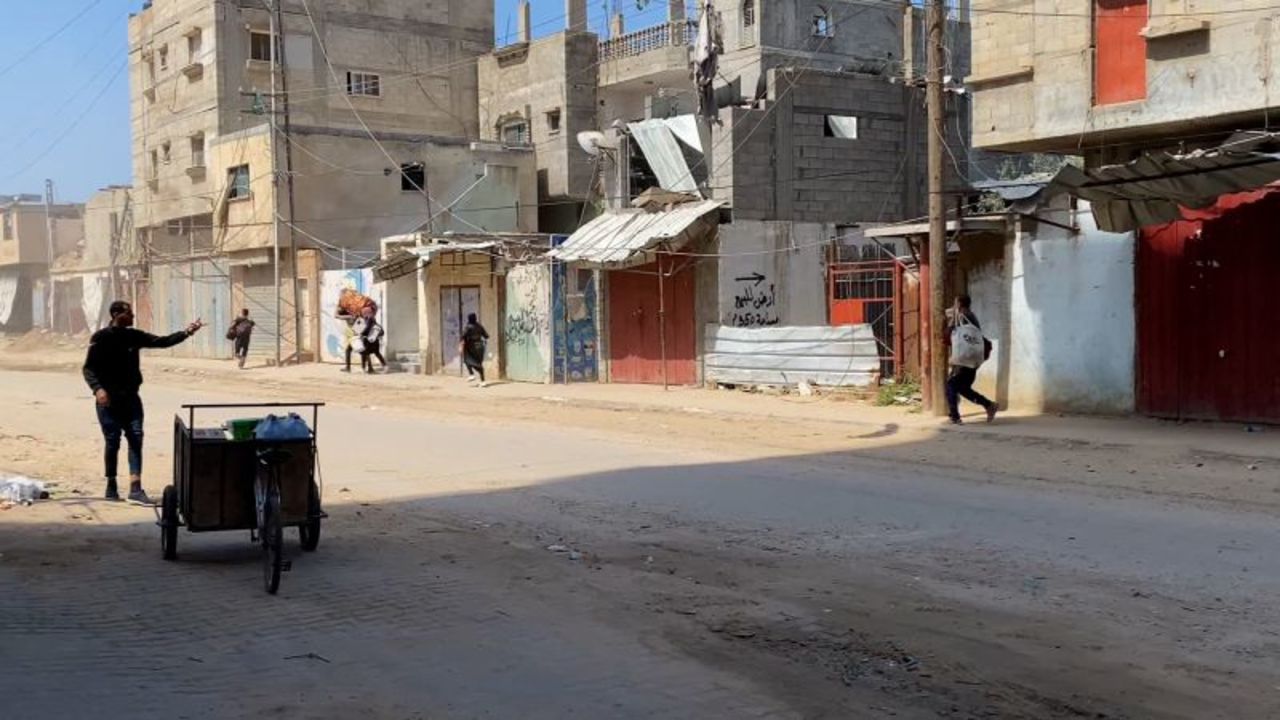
(8, 293)
(94, 289)
(617, 237)
(846, 355)
(661, 148)
(843, 126)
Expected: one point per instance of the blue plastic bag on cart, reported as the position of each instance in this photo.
(289, 427)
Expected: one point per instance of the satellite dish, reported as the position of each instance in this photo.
(591, 141)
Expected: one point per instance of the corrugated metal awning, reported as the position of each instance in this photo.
(408, 260)
(1153, 190)
(618, 237)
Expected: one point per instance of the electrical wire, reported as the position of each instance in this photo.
(67, 132)
(23, 57)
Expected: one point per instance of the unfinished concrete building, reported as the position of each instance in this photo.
(820, 131)
(1169, 103)
(378, 139)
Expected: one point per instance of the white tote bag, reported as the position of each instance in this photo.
(967, 346)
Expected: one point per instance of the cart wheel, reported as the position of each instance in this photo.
(169, 523)
(309, 532)
(272, 543)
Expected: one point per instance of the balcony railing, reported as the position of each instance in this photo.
(668, 34)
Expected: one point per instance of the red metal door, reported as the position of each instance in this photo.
(1206, 346)
(1120, 59)
(635, 337)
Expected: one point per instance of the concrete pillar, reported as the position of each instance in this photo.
(618, 26)
(675, 11)
(575, 12)
(908, 42)
(524, 23)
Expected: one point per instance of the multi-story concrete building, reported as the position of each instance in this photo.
(379, 134)
(25, 247)
(820, 130)
(1140, 83)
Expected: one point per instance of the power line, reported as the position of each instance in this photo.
(76, 123)
(49, 38)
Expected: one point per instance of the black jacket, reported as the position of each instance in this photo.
(112, 361)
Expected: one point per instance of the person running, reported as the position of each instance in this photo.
(112, 370)
(475, 340)
(964, 370)
(371, 339)
(239, 332)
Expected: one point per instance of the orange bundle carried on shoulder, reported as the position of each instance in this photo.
(351, 302)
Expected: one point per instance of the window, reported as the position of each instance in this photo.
(194, 42)
(363, 84)
(174, 227)
(844, 127)
(7, 220)
(514, 132)
(260, 46)
(155, 165)
(197, 151)
(413, 177)
(1120, 55)
(748, 22)
(163, 54)
(166, 153)
(553, 121)
(238, 180)
(822, 22)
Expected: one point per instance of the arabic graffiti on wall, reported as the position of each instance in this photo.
(755, 302)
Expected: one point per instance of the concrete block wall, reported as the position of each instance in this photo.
(789, 169)
(555, 73)
(1033, 74)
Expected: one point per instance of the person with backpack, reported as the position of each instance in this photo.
(969, 349)
(239, 333)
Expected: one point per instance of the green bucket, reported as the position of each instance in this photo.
(242, 429)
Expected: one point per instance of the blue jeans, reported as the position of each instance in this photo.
(122, 417)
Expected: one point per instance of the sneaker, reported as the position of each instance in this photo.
(345, 369)
(956, 421)
(138, 496)
(113, 492)
(991, 413)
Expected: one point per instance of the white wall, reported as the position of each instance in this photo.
(1070, 342)
(773, 274)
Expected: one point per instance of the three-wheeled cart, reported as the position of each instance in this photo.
(221, 482)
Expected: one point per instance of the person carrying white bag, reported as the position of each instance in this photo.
(969, 349)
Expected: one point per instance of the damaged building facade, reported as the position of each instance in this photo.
(272, 149)
(817, 133)
(1184, 176)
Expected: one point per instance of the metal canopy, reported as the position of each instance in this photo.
(407, 260)
(1153, 190)
(618, 237)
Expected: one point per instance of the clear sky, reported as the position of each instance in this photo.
(64, 98)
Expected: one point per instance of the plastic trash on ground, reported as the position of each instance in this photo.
(22, 490)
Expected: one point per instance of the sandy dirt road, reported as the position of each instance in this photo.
(703, 566)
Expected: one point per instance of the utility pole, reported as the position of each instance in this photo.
(934, 324)
(288, 169)
(50, 245)
(274, 29)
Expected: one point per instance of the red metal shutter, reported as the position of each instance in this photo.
(1120, 58)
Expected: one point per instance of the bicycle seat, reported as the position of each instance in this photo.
(274, 456)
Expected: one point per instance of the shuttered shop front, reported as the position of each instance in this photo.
(260, 299)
